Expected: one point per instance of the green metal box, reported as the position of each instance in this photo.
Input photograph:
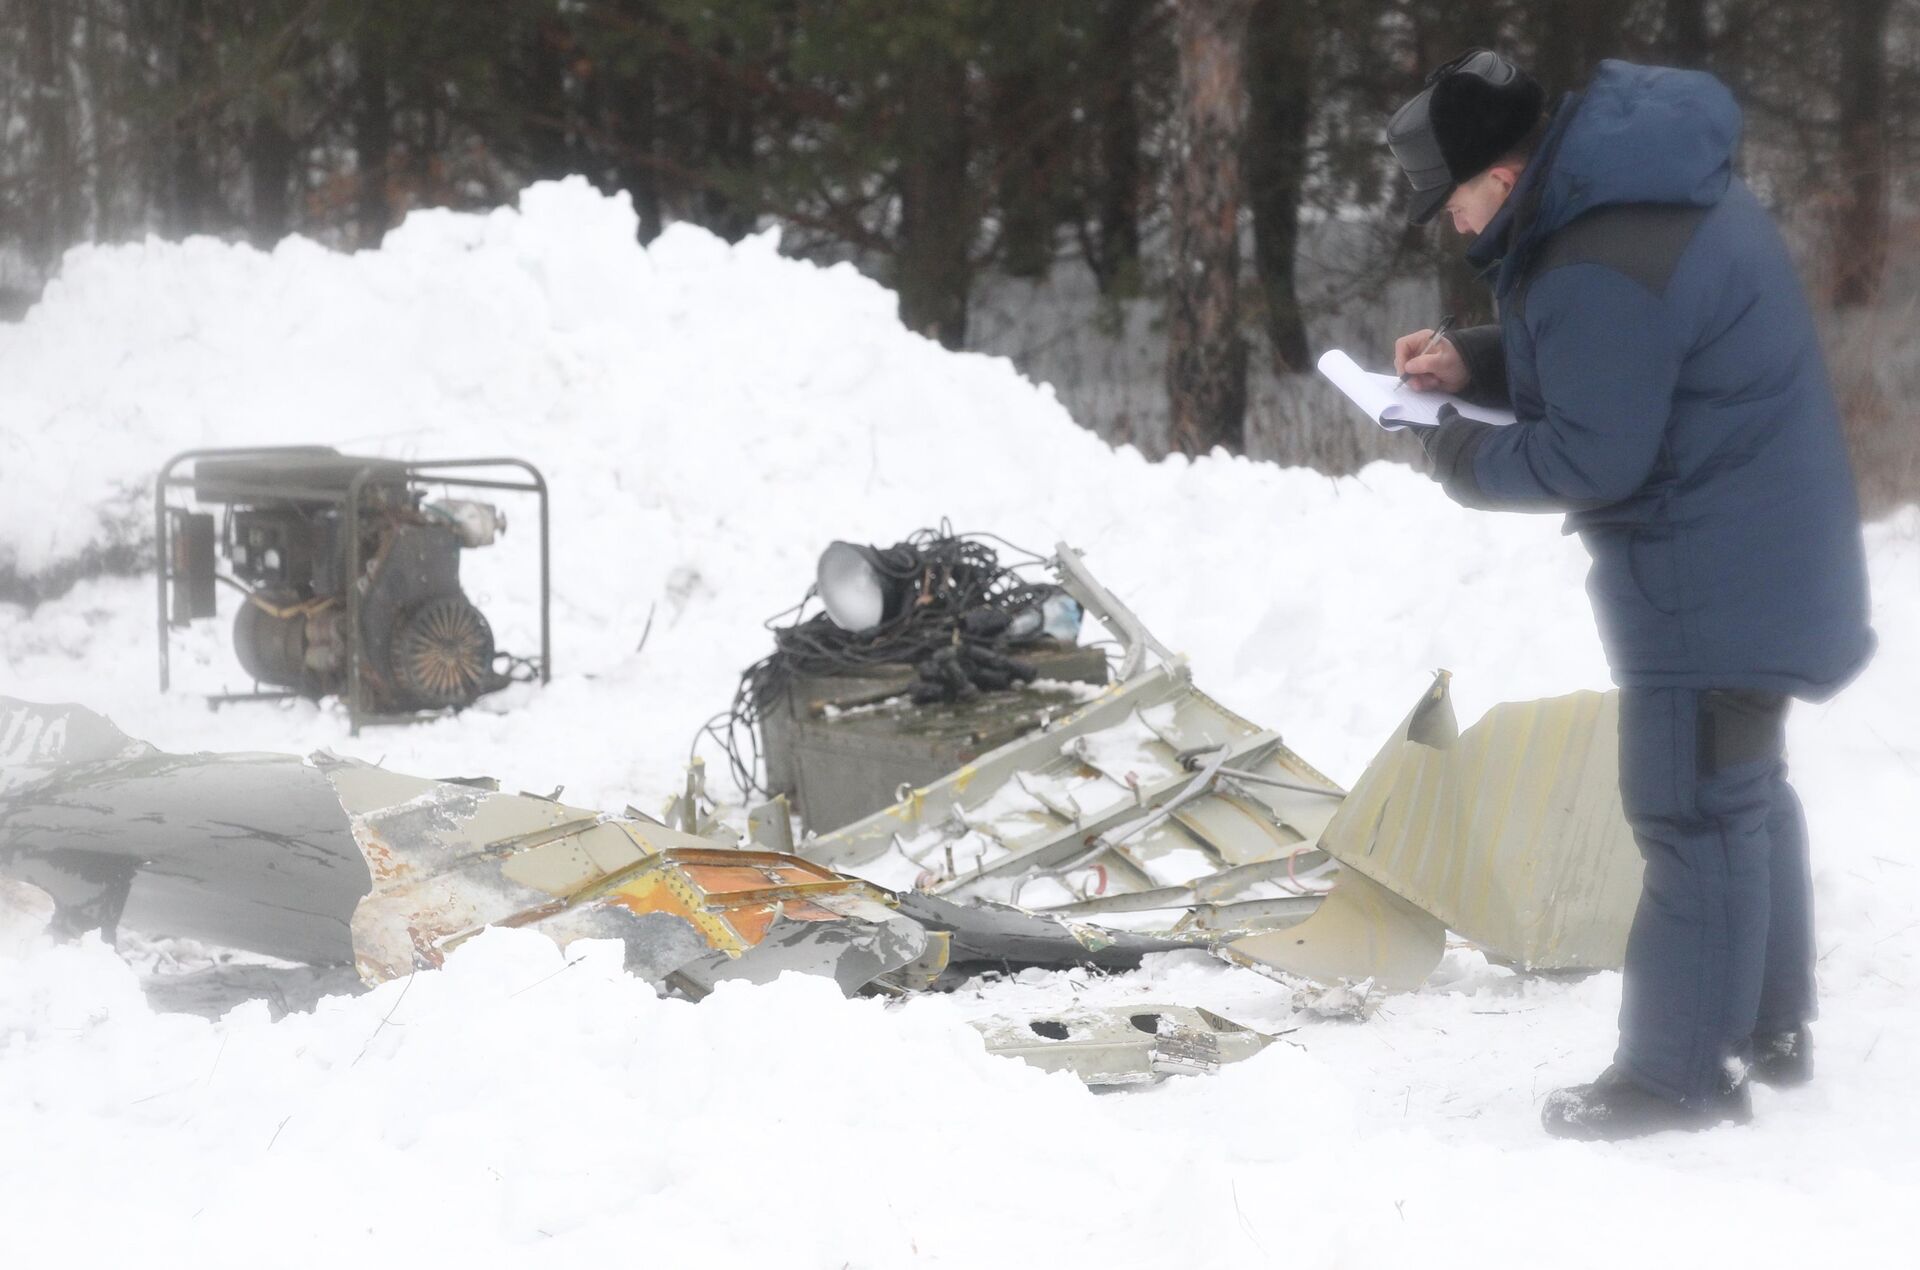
(843, 746)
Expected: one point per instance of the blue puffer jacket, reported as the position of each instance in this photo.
(1657, 347)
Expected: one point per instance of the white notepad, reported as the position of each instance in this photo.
(1394, 406)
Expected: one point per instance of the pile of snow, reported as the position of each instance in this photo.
(709, 418)
(529, 1106)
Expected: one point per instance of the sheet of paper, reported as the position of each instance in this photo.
(1394, 406)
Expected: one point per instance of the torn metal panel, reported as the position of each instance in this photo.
(1212, 891)
(1125, 1045)
(247, 850)
(996, 934)
(1154, 802)
(450, 860)
(1126, 795)
(758, 913)
(35, 739)
(1511, 833)
(334, 862)
(1360, 931)
(1135, 639)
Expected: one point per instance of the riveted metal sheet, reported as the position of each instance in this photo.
(1124, 1045)
(1123, 796)
(1360, 931)
(1511, 833)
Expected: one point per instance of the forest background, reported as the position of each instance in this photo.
(1165, 208)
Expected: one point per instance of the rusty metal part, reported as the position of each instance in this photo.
(330, 861)
(443, 651)
(449, 860)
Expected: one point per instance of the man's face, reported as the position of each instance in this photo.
(1475, 202)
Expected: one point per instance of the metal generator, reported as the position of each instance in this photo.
(350, 574)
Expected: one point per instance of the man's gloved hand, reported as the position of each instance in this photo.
(1450, 449)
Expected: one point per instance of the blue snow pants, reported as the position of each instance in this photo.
(1722, 943)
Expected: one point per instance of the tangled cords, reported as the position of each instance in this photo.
(953, 630)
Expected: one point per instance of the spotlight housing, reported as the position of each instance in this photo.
(863, 587)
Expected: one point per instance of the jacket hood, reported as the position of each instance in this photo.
(1638, 134)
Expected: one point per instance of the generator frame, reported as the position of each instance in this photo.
(428, 471)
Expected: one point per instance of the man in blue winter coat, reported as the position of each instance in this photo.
(1657, 348)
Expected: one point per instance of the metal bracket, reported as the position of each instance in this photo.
(1135, 638)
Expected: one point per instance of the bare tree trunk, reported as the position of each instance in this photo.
(268, 147)
(270, 169)
(727, 206)
(932, 268)
(52, 211)
(1572, 36)
(1027, 156)
(1279, 59)
(1206, 356)
(1684, 32)
(107, 168)
(635, 102)
(191, 188)
(1116, 262)
(372, 135)
(1860, 238)
(538, 79)
(422, 129)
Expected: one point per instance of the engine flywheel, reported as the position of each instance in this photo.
(443, 653)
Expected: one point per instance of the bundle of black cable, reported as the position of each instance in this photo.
(975, 662)
(957, 608)
(954, 628)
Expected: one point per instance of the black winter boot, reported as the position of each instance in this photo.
(1613, 1108)
(1783, 1058)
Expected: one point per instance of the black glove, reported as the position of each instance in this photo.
(1450, 449)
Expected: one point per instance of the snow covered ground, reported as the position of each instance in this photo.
(709, 418)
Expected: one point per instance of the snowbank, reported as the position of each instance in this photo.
(529, 1107)
(709, 417)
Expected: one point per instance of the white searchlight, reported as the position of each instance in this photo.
(864, 588)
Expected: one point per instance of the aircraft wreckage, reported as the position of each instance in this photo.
(1148, 818)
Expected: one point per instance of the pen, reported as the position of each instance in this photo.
(1446, 324)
